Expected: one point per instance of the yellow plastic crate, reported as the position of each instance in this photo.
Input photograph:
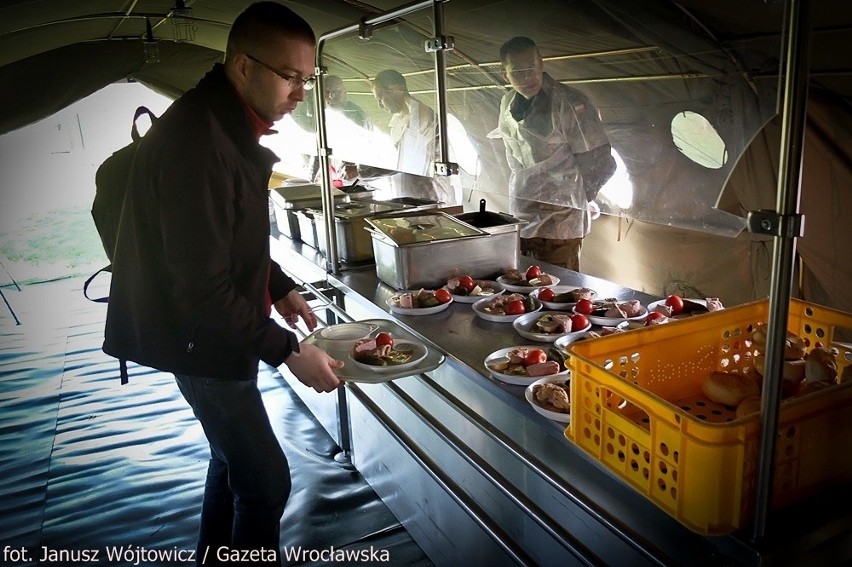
(637, 407)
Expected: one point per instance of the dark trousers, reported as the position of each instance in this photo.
(248, 478)
(559, 252)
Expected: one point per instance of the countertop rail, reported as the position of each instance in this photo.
(547, 474)
(476, 513)
(539, 516)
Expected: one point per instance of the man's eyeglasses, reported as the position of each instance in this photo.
(295, 82)
(522, 72)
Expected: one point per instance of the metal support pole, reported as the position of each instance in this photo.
(796, 47)
(441, 81)
(361, 28)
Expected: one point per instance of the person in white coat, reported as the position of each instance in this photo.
(413, 131)
(558, 153)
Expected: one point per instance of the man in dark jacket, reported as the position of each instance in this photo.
(193, 283)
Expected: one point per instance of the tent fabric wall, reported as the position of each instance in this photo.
(50, 81)
(53, 53)
(825, 203)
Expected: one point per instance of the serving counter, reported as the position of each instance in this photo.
(478, 477)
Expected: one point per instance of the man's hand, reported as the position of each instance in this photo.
(292, 306)
(314, 368)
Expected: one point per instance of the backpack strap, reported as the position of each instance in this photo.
(122, 367)
(134, 131)
(103, 299)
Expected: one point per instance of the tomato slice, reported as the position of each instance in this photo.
(533, 272)
(443, 295)
(676, 303)
(384, 339)
(547, 294)
(467, 282)
(584, 306)
(535, 356)
(515, 307)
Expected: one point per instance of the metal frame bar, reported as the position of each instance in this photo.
(323, 151)
(794, 115)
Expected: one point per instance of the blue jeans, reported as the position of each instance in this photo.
(248, 478)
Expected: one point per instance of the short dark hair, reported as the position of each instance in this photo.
(388, 78)
(516, 45)
(269, 15)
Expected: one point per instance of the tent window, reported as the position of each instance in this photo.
(698, 140)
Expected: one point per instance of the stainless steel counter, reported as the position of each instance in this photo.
(479, 478)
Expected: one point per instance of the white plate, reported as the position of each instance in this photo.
(554, 415)
(566, 340)
(420, 353)
(613, 321)
(348, 331)
(555, 305)
(512, 378)
(524, 288)
(523, 325)
(474, 298)
(479, 306)
(418, 311)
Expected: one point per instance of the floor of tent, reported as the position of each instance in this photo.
(90, 464)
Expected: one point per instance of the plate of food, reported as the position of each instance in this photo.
(522, 365)
(551, 397)
(419, 301)
(562, 297)
(677, 307)
(547, 326)
(505, 308)
(466, 289)
(518, 282)
(611, 312)
(384, 354)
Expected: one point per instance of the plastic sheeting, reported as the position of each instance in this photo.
(644, 70)
(90, 464)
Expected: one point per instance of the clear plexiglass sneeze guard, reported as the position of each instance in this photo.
(678, 111)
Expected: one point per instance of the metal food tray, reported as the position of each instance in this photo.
(421, 227)
(350, 373)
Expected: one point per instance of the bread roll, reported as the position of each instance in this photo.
(792, 370)
(794, 345)
(748, 406)
(820, 366)
(728, 388)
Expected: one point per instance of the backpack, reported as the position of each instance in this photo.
(111, 180)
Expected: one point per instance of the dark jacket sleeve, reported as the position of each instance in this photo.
(280, 284)
(596, 166)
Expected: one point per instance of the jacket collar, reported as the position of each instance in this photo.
(232, 114)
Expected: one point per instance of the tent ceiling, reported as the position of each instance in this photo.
(83, 45)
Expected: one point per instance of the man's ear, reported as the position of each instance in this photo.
(241, 63)
(503, 73)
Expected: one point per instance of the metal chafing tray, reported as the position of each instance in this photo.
(491, 222)
(286, 201)
(424, 249)
(353, 241)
